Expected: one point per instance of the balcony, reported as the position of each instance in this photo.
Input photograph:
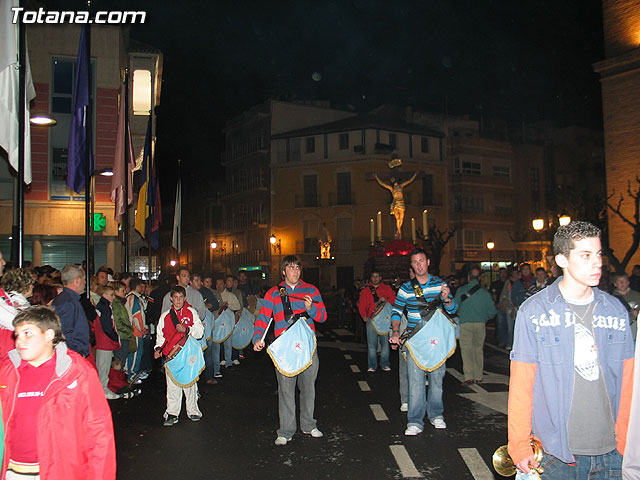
(307, 201)
(258, 145)
(251, 257)
(245, 184)
(240, 222)
(341, 199)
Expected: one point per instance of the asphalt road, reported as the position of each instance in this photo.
(357, 411)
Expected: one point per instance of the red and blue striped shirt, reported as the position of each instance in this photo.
(272, 306)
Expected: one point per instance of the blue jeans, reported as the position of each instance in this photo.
(372, 348)
(228, 353)
(209, 364)
(215, 357)
(591, 467)
(419, 402)
(501, 327)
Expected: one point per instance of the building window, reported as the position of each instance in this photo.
(344, 188)
(310, 185)
(424, 144)
(471, 168)
(310, 232)
(393, 140)
(344, 234)
(294, 149)
(427, 190)
(469, 204)
(501, 171)
(310, 143)
(344, 141)
(470, 239)
(535, 190)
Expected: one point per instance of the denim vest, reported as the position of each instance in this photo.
(544, 335)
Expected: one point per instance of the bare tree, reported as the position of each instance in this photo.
(634, 222)
(434, 245)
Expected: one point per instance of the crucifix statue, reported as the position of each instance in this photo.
(397, 203)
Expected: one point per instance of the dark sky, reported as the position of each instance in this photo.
(522, 60)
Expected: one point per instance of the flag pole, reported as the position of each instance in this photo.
(125, 216)
(151, 184)
(17, 234)
(87, 180)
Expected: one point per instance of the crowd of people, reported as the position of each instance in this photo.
(57, 342)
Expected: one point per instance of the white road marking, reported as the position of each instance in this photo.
(378, 412)
(342, 332)
(407, 468)
(364, 386)
(476, 464)
(347, 357)
(495, 400)
(355, 368)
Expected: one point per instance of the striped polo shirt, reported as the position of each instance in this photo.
(407, 299)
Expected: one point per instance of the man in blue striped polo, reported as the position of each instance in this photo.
(418, 402)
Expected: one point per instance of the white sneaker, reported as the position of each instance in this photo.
(315, 433)
(111, 396)
(280, 441)
(438, 423)
(404, 407)
(236, 362)
(412, 430)
(371, 370)
(223, 363)
(386, 369)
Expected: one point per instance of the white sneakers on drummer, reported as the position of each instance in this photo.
(280, 441)
(438, 423)
(404, 407)
(315, 433)
(413, 430)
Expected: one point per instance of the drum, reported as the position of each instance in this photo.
(207, 324)
(381, 322)
(432, 343)
(243, 331)
(185, 367)
(292, 352)
(223, 326)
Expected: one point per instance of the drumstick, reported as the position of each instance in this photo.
(301, 298)
(266, 330)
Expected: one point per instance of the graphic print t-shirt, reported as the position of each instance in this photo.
(591, 428)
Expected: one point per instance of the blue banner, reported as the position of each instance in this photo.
(80, 128)
(292, 352)
(185, 368)
(434, 343)
(381, 323)
(223, 326)
(243, 331)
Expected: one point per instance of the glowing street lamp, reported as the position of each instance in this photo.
(564, 220)
(172, 263)
(538, 224)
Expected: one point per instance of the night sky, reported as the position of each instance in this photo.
(522, 60)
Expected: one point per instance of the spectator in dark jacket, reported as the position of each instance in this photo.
(75, 325)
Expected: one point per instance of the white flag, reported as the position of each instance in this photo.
(176, 241)
(10, 90)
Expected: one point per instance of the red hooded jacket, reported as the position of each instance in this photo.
(75, 428)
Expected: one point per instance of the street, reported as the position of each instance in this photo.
(358, 413)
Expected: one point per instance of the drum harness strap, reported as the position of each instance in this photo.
(426, 310)
(289, 316)
(376, 299)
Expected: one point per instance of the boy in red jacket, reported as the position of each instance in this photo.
(39, 380)
(118, 382)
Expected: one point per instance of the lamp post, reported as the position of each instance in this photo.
(564, 220)
(103, 172)
(490, 246)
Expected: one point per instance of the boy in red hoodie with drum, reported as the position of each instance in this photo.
(174, 328)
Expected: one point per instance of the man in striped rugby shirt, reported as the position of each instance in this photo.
(306, 301)
(418, 402)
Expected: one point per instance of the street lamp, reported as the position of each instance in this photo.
(276, 244)
(41, 119)
(538, 224)
(172, 263)
(213, 245)
(564, 220)
(490, 246)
